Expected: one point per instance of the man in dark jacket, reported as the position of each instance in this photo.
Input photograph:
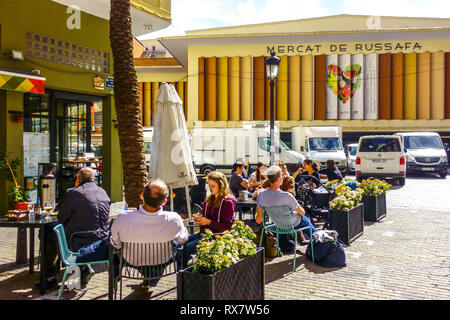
(86, 207)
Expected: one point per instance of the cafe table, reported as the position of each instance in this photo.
(249, 203)
(36, 224)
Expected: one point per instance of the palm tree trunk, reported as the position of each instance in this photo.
(126, 92)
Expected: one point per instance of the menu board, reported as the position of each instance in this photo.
(36, 149)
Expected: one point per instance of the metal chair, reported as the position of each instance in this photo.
(146, 261)
(68, 257)
(279, 220)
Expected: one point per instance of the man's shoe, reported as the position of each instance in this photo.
(86, 274)
(49, 284)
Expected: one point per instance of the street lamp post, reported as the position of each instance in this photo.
(272, 64)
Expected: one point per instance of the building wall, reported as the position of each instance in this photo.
(398, 80)
(49, 19)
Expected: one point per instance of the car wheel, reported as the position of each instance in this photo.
(401, 181)
(443, 174)
(207, 169)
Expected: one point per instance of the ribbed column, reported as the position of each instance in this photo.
(233, 89)
(437, 85)
(371, 86)
(397, 86)
(201, 89)
(258, 87)
(410, 80)
(222, 88)
(357, 101)
(306, 87)
(344, 90)
(384, 85)
(211, 86)
(155, 90)
(423, 85)
(320, 80)
(245, 70)
(332, 87)
(147, 104)
(141, 100)
(447, 85)
(282, 85)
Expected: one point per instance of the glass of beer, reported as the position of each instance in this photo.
(48, 208)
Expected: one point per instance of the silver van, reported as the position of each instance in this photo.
(424, 152)
(381, 157)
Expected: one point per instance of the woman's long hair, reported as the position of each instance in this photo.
(224, 190)
(258, 171)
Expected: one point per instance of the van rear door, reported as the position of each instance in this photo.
(380, 154)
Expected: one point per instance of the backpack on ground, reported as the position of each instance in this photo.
(328, 253)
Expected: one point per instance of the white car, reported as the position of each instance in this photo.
(351, 150)
(381, 157)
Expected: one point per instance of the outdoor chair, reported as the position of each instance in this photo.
(279, 220)
(148, 262)
(68, 257)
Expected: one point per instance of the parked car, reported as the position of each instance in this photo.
(350, 151)
(425, 152)
(381, 157)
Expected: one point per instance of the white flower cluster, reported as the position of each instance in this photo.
(346, 200)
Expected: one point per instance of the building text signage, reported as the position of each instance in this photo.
(344, 47)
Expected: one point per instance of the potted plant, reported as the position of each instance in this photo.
(17, 195)
(374, 198)
(347, 215)
(227, 267)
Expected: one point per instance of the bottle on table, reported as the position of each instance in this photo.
(37, 207)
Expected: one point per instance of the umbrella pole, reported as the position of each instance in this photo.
(188, 203)
(171, 198)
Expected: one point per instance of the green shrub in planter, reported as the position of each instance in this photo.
(374, 198)
(227, 266)
(346, 215)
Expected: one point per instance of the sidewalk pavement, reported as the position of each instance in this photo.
(404, 256)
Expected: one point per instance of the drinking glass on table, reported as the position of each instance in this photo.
(48, 208)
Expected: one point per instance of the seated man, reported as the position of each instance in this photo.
(287, 184)
(237, 182)
(85, 207)
(149, 224)
(274, 197)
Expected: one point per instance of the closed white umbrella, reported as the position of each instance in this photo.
(171, 158)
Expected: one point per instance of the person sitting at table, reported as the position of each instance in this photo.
(310, 168)
(257, 177)
(86, 207)
(218, 212)
(237, 182)
(149, 224)
(275, 197)
(331, 172)
(288, 182)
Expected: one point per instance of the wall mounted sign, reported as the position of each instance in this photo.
(99, 83)
(109, 83)
(345, 47)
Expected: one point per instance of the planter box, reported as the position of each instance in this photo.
(374, 207)
(348, 223)
(241, 281)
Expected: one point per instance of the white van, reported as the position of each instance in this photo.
(424, 152)
(320, 143)
(381, 157)
(217, 149)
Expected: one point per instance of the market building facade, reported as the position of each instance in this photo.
(368, 74)
(56, 88)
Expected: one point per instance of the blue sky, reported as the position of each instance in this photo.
(202, 14)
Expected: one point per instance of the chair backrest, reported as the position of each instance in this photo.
(281, 217)
(62, 243)
(159, 256)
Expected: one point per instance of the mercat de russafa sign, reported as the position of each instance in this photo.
(344, 47)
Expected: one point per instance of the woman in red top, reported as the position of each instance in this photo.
(218, 212)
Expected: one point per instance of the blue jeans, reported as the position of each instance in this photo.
(285, 240)
(190, 247)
